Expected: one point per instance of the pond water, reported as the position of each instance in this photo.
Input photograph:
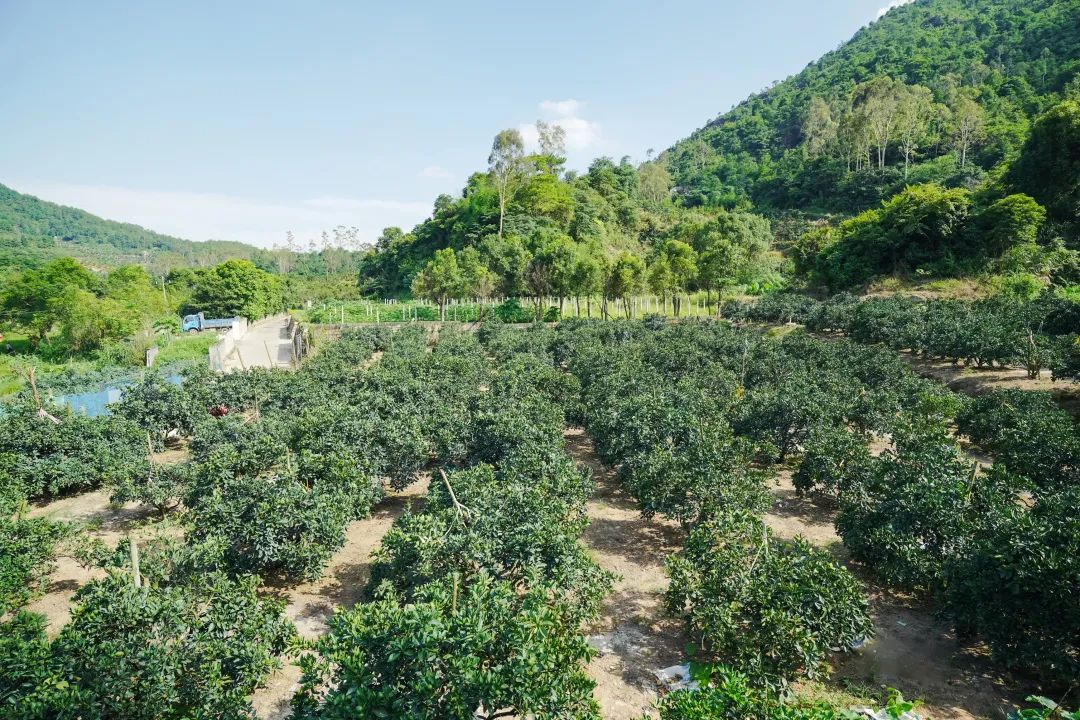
(96, 403)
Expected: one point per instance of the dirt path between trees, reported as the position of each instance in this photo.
(634, 636)
(973, 380)
(104, 521)
(912, 650)
(311, 605)
(976, 381)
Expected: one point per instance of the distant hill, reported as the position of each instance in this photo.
(810, 142)
(32, 231)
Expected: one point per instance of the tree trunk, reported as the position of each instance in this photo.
(502, 211)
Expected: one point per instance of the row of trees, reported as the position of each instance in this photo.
(717, 252)
(664, 409)
(521, 230)
(477, 599)
(690, 412)
(885, 118)
(1033, 332)
(67, 309)
(527, 228)
(267, 493)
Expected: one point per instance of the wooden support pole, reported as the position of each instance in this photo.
(133, 545)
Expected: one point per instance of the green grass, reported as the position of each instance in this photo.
(333, 312)
(840, 693)
(174, 350)
(184, 348)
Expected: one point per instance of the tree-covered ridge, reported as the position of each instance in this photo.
(34, 230)
(950, 125)
(935, 91)
(529, 228)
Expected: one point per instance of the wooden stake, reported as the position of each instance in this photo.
(134, 547)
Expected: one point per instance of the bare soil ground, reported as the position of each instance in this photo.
(105, 521)
(634, 636)
(977, 381)
(912, 650)
(972, 380)
(311, 605)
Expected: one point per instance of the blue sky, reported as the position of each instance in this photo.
(242, 120)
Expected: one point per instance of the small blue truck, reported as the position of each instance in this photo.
(198, 323)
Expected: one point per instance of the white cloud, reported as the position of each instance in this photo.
(206, 216)
(435, 171)
(893, 4)
(560, 107)
(580, 133)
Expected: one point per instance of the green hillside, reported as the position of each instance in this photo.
(954, 83)
(33, 231)
(942, 140)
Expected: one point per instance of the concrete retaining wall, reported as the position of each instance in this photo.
(226, 345)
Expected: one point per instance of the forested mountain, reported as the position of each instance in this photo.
(935, 91)
(941, 140)
(33, 231)
(529, 227)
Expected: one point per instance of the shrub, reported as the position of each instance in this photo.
(1016, 586)
(770, 609)
(835, 460)
(26, 547)
(161, 488)
(191, 650)
(456, 649)
(76, 453)
(728, 695)
(520, 524)
(784, 412)
(271, 524)
(28, 688)
(157, 406)
(916, 510)
(1028, 433)
(510, 311)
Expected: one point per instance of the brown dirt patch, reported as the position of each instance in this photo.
(810, 516)
(105, 521)
(979, 381)
(311, 605)
(175, 452)
(634, 635)
(375, 357)
(911, 650)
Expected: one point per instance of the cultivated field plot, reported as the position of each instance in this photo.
(582, 520)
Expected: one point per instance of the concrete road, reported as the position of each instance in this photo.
(266, 344)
